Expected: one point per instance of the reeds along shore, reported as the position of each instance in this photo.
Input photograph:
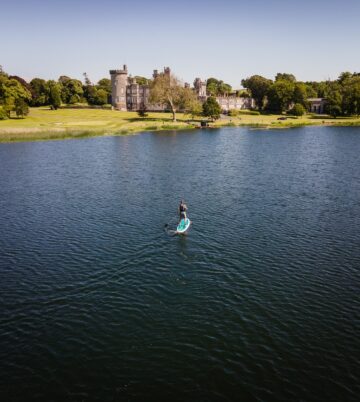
(46, 124)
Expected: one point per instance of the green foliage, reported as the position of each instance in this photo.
(167, 90)
(211, 108)
(3, 114)
(194, 107)
(235, 112)
(258, 87)
(142, 80)
(334, 110)
(217, 87)
(11, 90)
(142, 111)
(71, 90)
(280, 95)
(102, 96)
(334, 102)
(297, 110)
(243, 93)
(54, 95)
(351, 95)
(40, 92)
(104, 84)
(21, 107)
(98, 94)
(300, 94)
(285, 77)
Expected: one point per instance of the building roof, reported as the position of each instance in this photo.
(316, 99)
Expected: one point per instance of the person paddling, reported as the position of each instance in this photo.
(182, 210)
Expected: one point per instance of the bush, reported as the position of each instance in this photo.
(3, 114)
(236, 112)
(297, 110)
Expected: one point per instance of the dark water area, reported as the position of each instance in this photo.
(259, 302)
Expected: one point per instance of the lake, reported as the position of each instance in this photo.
(259, 302)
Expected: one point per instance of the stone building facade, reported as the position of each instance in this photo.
(317, 105)
(128, 95)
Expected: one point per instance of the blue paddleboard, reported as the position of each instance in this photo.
(183, 226)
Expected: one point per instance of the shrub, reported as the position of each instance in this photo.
(297, 110)
(235, 112)
(3, 114)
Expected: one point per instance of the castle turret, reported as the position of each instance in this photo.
(119, 82)
(200, 87)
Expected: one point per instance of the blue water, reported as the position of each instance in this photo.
(259, 302)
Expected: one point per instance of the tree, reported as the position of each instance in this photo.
(3, 114)
(86, 79)
(142, 80)
(21, 107)
(258, 87)
(104, 84)
(167, 90)
(285, 77)
(101, 97)
(71, 90)
(10, 91)
(217, 87)
(280, 96)
(334, 101)
(297, 110)
(194, 108)
(344, 76)
(300, 94)
(40, 91)
(54, 95)
(351, 95)
(142, 110)
(211, 108)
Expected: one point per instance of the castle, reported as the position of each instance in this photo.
(128, 95)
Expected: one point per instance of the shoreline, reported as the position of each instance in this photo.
(45, 125)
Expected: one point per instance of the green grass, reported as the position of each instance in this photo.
(46, 124)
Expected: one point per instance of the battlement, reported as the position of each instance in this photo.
(123, 71)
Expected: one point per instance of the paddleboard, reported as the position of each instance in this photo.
(183, 226)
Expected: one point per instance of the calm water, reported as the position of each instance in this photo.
(260, 302)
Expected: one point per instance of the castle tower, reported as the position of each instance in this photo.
(200, 87)
(119, 82)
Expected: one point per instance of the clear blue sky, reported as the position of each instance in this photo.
(228, 39)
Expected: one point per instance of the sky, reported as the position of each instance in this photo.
(226, 39)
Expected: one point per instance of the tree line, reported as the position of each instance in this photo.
(283, 94)
(286, 94)
(16, 94)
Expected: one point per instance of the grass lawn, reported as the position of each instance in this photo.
(44, 124)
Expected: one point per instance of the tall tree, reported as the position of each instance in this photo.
(280, 96)
(285, 77)
(258, 87)
(71, 90)
(54, 94)
(217, 87)
(10, 92)
(167, 90)
(105, 84)
(351, 95)
(300, 94)
(21, 107)
(211, 108)
(40, 91)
